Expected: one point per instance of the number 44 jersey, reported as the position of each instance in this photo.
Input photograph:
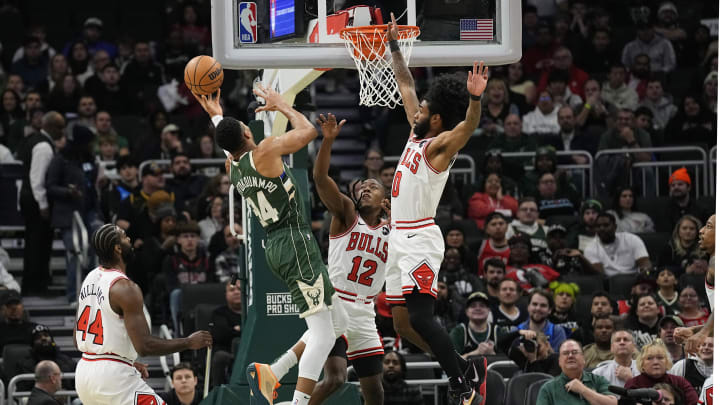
(356, 261)
(100, 331)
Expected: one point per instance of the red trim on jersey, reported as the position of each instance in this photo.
(427, 161)
(365, 350)
(413, 222)
(379, 225)
(376, 353)
(346, 299)
(116, 279)
(418, 140)
(395, 298)
(340, 235)
(415, 227)
(345, 292)
(109, 270)
(708, 286)
(107, 359)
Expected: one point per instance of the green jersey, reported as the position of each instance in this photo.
(273, 200)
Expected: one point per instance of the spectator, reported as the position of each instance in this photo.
(11, 111)
(215, 221)
(142, 75)
(149, 256)
(563, 313)
(226, 326)
(540, 306)
(184, 386)
(592, 117)
(643, 285)
(187, 265)
(99, 60)
(459, 279)
(506, 313)
(520, 85)
(644, 121)
(696, 369)
(623, 135)
(492, 199)
(667, 24)
(29, 122)
(65, 96)
(16, 329)
(546, 161)
(514, 139)
(692, 53)
(57, 70)
(448, 305)
(592, 388)
(36, 153)
(496, 107)
(44, 348)
(184, 184)
(566, 260)
(92, 36)
(396, 390)
(524, 268)
(615, 92)
(477, 336)
(667, 291)
(48, 381)
(654, 364)
(36, 31)
(551, 200)
(694, 123)
(495, 244)
(229, 262)
(627, 217)
(639, 74)
(527, 223)
(597, 57)
(532, 353)
(79, 61)
(372, 164)
(662, 107)
(194, 33)
(133, 211)
(543, 119)
(691, 313)
(455, 238)
(86, 110)
(117, 191)
(667, 326)
(600, 351)
(107, 148)
(530, 25)
(684, 244)
(557, 86)
(110, 94)
(616, 252)
(538, 57)
(570, 137)
(563, 60)
(600, 306)
(33, 66)
(493, 162)
(644, 319)
(659, 49)
(387, 173)
(710, 91)
(217, 185)
(70, 182)
(622, 367)
(681, 202)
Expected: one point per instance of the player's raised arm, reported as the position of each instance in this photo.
(126, 299)
(340, 206)
(449, 143)
(302, 133)
(404, 78)
(209, 104)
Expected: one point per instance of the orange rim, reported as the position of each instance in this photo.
(404, 31)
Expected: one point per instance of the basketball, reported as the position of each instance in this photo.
(203, 75)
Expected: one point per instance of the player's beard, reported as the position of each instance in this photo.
(421, 128)
(127, 253)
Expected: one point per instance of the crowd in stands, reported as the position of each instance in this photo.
(81, 114)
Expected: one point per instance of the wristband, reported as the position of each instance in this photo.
(588, 106)
(476, 98)
(394, 45)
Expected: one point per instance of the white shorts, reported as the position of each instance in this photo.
(112, 382)
(414, 259)
(361, 335)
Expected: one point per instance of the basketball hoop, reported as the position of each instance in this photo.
(367, 47)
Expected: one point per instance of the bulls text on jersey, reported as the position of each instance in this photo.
(368, 243)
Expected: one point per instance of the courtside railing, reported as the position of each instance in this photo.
(197, 165)
(17, 397)
(585, 170)
(662, 169)
(463, 168)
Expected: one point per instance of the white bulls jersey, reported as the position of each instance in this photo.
(98, 329)
(356, 261)
(417, 186)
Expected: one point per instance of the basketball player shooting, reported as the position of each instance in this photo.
(439, 131)
(268, 186)
(113, 328)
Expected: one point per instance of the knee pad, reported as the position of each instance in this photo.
(320, 340)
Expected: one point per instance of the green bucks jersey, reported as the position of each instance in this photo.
(273, 200)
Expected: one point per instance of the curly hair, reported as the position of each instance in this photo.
(229, 135)
(448, 96)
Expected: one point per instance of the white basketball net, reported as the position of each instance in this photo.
(368, 49)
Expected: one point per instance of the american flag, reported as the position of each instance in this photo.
(476, 29)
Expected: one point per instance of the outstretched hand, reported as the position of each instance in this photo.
(329, 126)
(273, 99)
(477, 78)
(210, 104)
(392, 29)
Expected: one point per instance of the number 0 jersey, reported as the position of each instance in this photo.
(272, 199)
(417, 186)
(98, 329)
(356, 261)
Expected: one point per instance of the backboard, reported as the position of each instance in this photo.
(282, 34)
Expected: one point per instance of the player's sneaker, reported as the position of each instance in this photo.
(475, 374)
(470, 397)
(263, 384)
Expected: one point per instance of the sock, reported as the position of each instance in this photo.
(300, 398)
(283, 364)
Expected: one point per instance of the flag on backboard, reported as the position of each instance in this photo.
(476, 29)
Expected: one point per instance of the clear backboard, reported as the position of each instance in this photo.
(281, 34)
